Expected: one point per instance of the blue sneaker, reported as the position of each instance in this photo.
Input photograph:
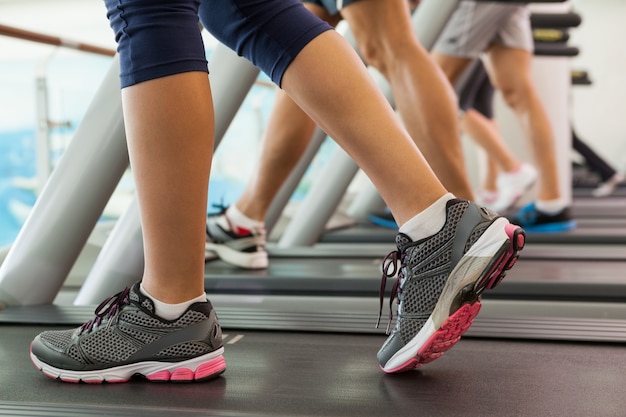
(533, 220)
(383, 219)
(127, 338)
(440, 282)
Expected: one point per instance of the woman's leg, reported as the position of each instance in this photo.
(162, 328)
(169, 125)
(448, 248)
(486, 134)
(512, 76)
(372, 135)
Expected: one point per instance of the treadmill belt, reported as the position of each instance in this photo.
(598, 221)
(303, 374)
(565, 279)
(603, 230)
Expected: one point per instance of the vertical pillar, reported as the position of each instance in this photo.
(70, 203)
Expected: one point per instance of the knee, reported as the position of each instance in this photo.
(384, 56)
(515, 96)
(373, 52)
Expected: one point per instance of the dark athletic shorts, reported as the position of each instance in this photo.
(477, 93)
(333, 7)
(157, 38)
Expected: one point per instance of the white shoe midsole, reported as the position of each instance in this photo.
(124, 372)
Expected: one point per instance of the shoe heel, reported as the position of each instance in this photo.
(205, 371)
(509, 254)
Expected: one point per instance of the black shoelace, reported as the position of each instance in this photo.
(390, 269)
(107, 310)
(221, 207)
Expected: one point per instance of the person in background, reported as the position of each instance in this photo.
(502, 32)
(506, 178)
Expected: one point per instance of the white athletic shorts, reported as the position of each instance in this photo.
(475, 26)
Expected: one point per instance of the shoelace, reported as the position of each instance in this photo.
(221, 208)
(107, 310)
(390, 269)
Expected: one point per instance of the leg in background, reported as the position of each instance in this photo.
(486, 134)
(423, 98)
(510, 70)
(510, 73)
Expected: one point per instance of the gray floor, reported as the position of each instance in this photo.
(320, 374)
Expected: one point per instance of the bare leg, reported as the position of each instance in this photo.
(451, 66)
(285, 139)
(485, 132)
(510, 73)
(424, 99)
(491, 176)
(171, 144)
(372, 136)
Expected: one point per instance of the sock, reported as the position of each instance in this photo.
(240, 222)
(170, 311)
(429, 221)
(550, 206)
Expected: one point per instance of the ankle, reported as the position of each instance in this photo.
(429, 221)
(238, 220)
(170, 311)
(551, 206)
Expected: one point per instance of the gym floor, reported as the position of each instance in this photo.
(332, 374)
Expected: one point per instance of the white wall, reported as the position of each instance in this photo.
(599, 111)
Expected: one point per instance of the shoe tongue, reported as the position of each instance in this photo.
(402, 241)
(137, 297)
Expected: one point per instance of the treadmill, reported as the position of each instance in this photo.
(300, 341)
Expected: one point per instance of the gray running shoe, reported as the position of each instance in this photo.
(241, 247)
(440, 281)
(126, 338)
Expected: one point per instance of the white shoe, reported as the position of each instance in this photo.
(486, 198)
(512, 185)
(607, 188)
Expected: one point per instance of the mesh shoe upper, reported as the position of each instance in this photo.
(444, 271)
(125, 331)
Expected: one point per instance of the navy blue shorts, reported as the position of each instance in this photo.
(157, 38)
(333, 7)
